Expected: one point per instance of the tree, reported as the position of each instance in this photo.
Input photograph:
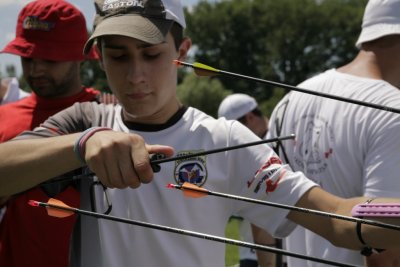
(285, 40)
(202, 93)
(93, 76)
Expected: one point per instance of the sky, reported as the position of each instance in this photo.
(9, 10)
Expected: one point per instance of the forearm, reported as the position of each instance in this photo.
(339, 232)
(375, 237)
(26, 163)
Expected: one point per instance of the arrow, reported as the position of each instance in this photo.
(57, 208)
(191, 190)
(223, 149)
(204, 70)
(156, 159)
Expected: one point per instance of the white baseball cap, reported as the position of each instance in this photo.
(236, 106)
(381, 18)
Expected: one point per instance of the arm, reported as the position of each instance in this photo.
(381, 171)
(26, 163)
(260, 236)
(343, 233)
(118, 159)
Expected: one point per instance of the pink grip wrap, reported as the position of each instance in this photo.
(376, 210)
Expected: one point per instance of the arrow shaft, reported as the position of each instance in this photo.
(293, 208)
(213, 151)
(294, 88)
(302, 90)
(202, 153)
(193, 234)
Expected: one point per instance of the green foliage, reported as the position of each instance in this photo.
(23, 84)
(285, 40)
(202, 93)
(223, 40)
(267, 106)
(93, 76)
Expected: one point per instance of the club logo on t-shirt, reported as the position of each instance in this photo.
(191, 170)
(314, 142)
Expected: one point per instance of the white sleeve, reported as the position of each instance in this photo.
(382, 161)
(266, 179)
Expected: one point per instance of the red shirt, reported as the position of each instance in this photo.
(28, 236)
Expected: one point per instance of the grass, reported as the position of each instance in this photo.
(232, 252)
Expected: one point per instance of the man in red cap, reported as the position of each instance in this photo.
(50, 36)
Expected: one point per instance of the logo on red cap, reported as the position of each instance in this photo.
(33, 23)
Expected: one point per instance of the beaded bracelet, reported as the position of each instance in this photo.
(80, 143)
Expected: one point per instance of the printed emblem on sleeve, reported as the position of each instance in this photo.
(191, 170)
(268, 176)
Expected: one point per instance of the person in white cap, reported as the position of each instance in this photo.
(137, 42)
(10, 91)
(350, 150)
(244, 108)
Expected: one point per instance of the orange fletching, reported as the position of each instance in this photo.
(58, 212)
(191, 190)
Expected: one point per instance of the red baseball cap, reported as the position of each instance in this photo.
(50, 30)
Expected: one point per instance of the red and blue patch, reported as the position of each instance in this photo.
(192, 170)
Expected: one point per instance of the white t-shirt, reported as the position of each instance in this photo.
(229, 172)
(350, 150)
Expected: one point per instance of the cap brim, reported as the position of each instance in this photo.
(149, 30)
(377, 31)
(47, 50)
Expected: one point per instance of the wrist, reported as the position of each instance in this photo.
(364, 210)
(80, 143)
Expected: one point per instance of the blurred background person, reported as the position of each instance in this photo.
(244, 108)
(349, 150)
(10, 91)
